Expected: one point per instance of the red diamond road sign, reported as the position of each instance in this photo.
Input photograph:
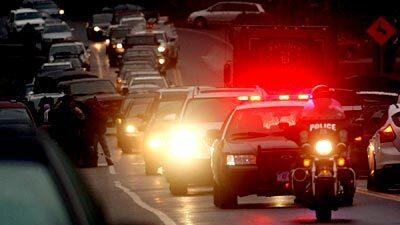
(381, 30)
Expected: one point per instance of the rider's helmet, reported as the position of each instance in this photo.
(321, 91)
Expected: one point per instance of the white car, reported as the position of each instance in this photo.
(68, 50)
(222, 13)
(20, 17)
(56, 33)
(384, 149)
(56, 66)
(136, 23)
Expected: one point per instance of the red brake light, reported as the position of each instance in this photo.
(303, 97)
(284, 97)
(387, 134)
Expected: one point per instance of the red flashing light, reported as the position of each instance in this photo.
(255, 98)
(284, 97)
(303, 97)
(387, 134)
(243, 98)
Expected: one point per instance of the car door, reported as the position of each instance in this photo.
(375, 122)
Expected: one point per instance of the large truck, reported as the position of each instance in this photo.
(281, 57)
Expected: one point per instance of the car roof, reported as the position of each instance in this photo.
(24, 10)
(82, 80)
(237, 2)
(208, 92)
(267, 104)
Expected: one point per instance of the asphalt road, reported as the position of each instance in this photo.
(131, 197)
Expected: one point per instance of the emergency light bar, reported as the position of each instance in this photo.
(251, 98)
(285, 97)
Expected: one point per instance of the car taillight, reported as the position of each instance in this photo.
(387, 134)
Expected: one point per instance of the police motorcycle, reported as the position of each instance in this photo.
(324, 182)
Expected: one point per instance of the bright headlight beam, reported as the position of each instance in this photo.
(323, 147)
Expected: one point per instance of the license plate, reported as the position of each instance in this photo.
(282, 176)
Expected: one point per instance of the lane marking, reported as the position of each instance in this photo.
(378, 195)
(208, 35)
(135, 197)
(111, 169)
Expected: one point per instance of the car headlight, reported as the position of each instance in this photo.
(96, 29)
(240, 160)
(161, 61)
(107, 41)
(184, 143)
(130, 129)
(61, 12)
(119, 45)
(154, 143)
(323, 147)
(161, 49)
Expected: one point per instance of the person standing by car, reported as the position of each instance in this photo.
(96, 127)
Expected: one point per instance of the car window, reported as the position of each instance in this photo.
(220, 7)
(92, 87)
(56, 29)
(237, 7)
(168, 106)
(55, 67)
(160, 83)
(247, 7)
(70, 49)
(141, 40)
(8, 114)
(209, 109)
(27, 16)
(29, 195)
(140, 106)
(262, 121)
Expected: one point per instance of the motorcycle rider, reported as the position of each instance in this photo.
(323, 116)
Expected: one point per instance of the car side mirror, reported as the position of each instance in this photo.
(125, 91)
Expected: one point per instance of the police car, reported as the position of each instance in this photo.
(251, 153)
(188, 158)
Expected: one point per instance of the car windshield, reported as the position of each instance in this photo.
(29, 195)
(45, 5)
(27, 16)
(92, 87)
(140, 107)
(262, 122)
(55, 67)
(56, 29)
(119, 33)
(132, 22)
(13, 114)
(142, 40)
(168, 107)
(209, 109)
(70, 49)
(102, 18)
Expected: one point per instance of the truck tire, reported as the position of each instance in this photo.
(200, 23)
(323, 215)
(223, 198)
(150, 169)
(177, 188)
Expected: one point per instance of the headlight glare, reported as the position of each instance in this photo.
(130, 129)
(323, 147)
(184, 143)
(96, 29)
(154, 143)
(61, 12)
(161, 49)
(241, 160)
(161, 61)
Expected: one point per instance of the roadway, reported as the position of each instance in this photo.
(131, 197)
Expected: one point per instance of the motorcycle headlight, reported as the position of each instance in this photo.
(107, 42)
(323, 147)
(184, 143)
(96, 29)
(61, 12)
(161, 61)
(130, 129)
(161, 49)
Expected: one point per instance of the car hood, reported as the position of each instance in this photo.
(31, 21)
(249, 146)
(57, 35)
